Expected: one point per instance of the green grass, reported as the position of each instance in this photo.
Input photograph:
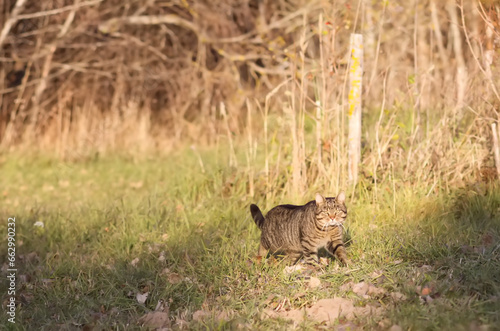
(102, 214)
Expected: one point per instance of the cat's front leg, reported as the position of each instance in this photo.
(336, 248)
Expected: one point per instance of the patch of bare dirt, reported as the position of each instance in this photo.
(324, 311)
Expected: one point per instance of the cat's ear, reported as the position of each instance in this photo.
(341, 197)
(320, 200)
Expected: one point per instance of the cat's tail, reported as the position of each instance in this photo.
(257, 215)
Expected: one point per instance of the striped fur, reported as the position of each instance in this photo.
(299, 231)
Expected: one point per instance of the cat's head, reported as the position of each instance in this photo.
(331, 211)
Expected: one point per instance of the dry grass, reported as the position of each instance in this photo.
(159, 72)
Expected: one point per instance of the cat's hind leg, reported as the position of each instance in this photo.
(310, 253)
(294, 257)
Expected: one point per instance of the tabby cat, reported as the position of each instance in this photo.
(299, 231)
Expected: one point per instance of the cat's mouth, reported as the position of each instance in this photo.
(332, 223)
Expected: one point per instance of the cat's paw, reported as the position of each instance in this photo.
(345, 262)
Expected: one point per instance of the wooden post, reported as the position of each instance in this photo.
(355, 81)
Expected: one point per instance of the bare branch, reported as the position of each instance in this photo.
(58, 10)
(14, 17)
(114, 24)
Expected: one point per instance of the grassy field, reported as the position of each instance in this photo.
(118, 228)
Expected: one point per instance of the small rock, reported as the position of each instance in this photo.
(314, 282)
(199, 315)
(395, 327)
(375, 291)
(346, 287)
(155, 320)
(360, 288)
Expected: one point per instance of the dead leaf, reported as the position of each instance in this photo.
(155, 320)
(395, 327)
(134, 262)
(162, 257)
(142, 297)
(174, 278)
(199, 315)
(426, 291)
